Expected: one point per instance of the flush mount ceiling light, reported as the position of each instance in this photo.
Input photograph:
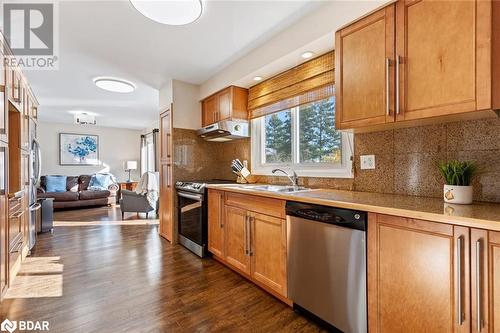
(307, 54)
(114, 84)
(171, 12)
(257, 78)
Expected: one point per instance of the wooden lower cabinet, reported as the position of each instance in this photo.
(431, 277)
(236, 238)
(216, 222)
(252, 243)
(491, 280)
(268, 251)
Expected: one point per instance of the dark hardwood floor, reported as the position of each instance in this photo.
(125, 278)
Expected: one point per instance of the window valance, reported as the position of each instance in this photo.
(305, 83)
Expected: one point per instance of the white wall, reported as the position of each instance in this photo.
(314, 32)
(187, 106)
(116, 146)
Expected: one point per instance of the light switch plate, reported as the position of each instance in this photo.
(367, 162)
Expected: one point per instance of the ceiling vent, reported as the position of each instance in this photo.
(85, 119)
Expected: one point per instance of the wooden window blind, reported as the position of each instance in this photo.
(308, 82)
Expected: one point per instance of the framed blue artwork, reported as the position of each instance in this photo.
(78, 149)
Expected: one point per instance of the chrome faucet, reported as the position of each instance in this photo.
(293, 178)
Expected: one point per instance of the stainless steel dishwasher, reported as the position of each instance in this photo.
(327, 264)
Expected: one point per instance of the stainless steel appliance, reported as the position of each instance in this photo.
(225, 130)
(34, 169)
(327, 264)
(193, 216)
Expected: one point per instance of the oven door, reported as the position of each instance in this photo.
(191, 218)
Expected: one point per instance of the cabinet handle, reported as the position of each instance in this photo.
(250, 238)
(460, 314)
(221, 224)
(17, 215)
(387, 86)
(398, 62)
(478, 285)
(246, 235)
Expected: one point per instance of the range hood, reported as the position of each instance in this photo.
(225, 130)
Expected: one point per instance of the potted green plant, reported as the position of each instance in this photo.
(457, 176)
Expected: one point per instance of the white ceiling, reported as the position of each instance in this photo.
(110, 38)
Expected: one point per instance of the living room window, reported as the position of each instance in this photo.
(149, 152)
(303, 138)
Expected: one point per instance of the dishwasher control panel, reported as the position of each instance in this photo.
(338, 216)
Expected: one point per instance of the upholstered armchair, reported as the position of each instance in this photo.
(144, 202)
(135, 203)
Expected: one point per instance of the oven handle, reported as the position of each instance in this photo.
(190, 196)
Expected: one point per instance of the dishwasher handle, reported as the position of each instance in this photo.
(346, 218)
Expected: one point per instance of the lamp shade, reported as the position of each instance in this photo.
(130, 165)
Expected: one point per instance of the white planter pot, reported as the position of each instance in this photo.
(457, 194)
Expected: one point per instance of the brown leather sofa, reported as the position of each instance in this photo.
(77, 193)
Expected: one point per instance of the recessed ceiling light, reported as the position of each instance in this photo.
(257, 78)
(307, 54)
(171, 12)
(114, 84)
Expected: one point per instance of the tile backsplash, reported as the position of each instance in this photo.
(406, 159)
(197, 159)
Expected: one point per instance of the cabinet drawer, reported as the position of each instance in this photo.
(15, 228)
(267, 206)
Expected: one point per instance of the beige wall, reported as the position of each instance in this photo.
(115, 147)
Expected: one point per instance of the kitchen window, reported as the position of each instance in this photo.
(302, 138)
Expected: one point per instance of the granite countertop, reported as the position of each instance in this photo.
(478, 215)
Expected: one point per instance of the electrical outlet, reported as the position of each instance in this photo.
(367, 162)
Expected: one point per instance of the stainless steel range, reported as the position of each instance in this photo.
(193, 214)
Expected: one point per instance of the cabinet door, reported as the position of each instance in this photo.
(479, 279)
(268, 251)
(4, 248)
(224, 103)
(3, 87)
(418, 276)
(209, 111)
(166, 176)
(494, 283)
(443, 49)
(166, 136)
(216, 223)
(237, 238)
(364, 71)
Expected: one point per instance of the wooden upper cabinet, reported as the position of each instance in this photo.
(224, 109)
(445, 61)
(227, 104)
(414, 276)
(442, 57)
(363, 71)
(268, 252)
(209, 111)
(216, 222)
